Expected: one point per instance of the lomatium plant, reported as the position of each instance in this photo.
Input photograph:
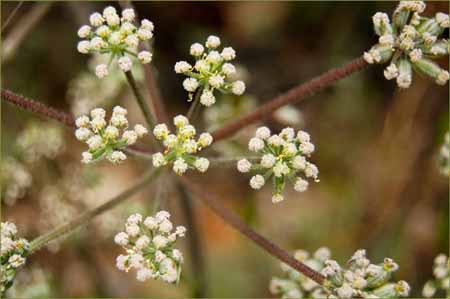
(409, 43)
(441, 281)
(282, 158)
(181, 148)
(107, 140)
(149, 247)
(360, 279)
(116, 36)
(13, 254)
(212, 71)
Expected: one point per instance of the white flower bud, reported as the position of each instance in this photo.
(238, 87)
(132, 41)
(190, 84)
(121, 239)
(391, 72)
(84, 46)
(86, 157)
(182, 67)
(128, 15)
(84, 31)
(228, 53)
(213, 57)
(207, 98)
(101, 71)
(144, 34)
(125, 63)
(111, 132)
(257, 181)
(130, 137)
(158, 160)
(255, 144)
(268, 160)
(96, 19)
(140, 130)
(160, 241)
(196, 49)
(262, 133)
(160, 131)
(216, 81)
(83, 134)
(179, 166)
(145, 57)
(117, 157)
(201, 164)
(94, 142)
(180, 121)
(148, 25)
(82, 121)
(301, 185)
(228, 69)
(244, 165)
(212, 42)
(205, 139)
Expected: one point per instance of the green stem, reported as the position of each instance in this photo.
(195, 106)
(140, 99)
(89, 215)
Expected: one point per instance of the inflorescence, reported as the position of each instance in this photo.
(361, 279)
(409, 43)
(180, 148)
(13, 254)
(212, 71)
(116, 36)
(283, 156)
(149, 247)
(104, 139)
(441, 281)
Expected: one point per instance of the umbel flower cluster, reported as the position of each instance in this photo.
(119, 37)
(181, 148)
(283, 157)
(212, 71)
(362, 279)
(149, 247)
(107, 140)
(410, 42)
(444, 156)
(13, 254)
(297, 285)
(441, 281)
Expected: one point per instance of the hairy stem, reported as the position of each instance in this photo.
(140, 100)
(22, 28)
(195, 248)
(215, 204)
(195, 106)
(291, 96)
(86, 217)
(156, 103)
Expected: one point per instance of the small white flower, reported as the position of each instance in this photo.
(159, 241)
(415, 55)
(86, 157)
(132, 230)
(84, 46)
(170, 141)
(101, 71)
(201, 164)
(125, 63)
(111, 132)
(280, 169)
(187, 131)
(121, 262)
(118, 110)
(212, 42)
(263, 133)
(238, 87)
(158, 160)
(255, 144)
(145, 57)
(268, 160)
(132, 41)
(16, 261)
(128, 15)
(207, 98)
(165, 226)
(196, 50)
(97, 44)
(301, 185)
(190, 84)
(306, 148)
(228, 53)
(182, 67)
(117, 157)
(276, 198)
(119, 121)
(275, 140)
(130, 137)
(84, 31)
(257, 181)
(180, 166)
(82, 121)
(180, 121)
(205, 139)
(151, 223)
(404, 80)
(121, 239)
(442, 77)
(387, 40)
(180, 231)
(311, 171)
(136, 260)
(216, 81)
(140, 130)
(144, 274)
(213, 57)
(228, 69)
(83, 134)
(96, 19)
(346, 291)
(391, 72)
(442, 19)
(144, 34)
(244, 165)
(94, 142)
(299, 162)
(112, 20)
(148, 25)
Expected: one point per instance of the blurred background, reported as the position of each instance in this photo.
(376, 147)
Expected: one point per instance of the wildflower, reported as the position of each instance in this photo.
(212, 71)
(104, 139)
(13, 254)
(117, 37)
(282, 159)
(410, 42)
(182, 147)
(150, 248)
(441, 281)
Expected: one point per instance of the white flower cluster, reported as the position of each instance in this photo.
(104, 139)
(362, 279)
(149, 247)
(444, 156)
(15, 179)
(441, 281)
(117, 36)
(409, 43)
(13, 254)
(283, 157)
(212, 71)
(295, 284)
(180, 148)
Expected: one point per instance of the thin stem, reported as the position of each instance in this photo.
(227, 162)
(22, 28)
(86, 217)
(11, 16)
(140, 99)
(195, 248)
(195, 106)
(161, 192)
(215, 204)
(291, 96)
(160, 114)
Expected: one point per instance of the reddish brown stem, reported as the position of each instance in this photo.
(36, 107)
(215, 204)
(291, 96)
